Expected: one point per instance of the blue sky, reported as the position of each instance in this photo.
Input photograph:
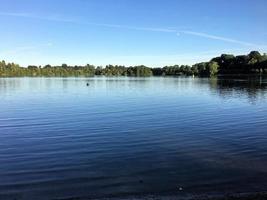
(130, 32)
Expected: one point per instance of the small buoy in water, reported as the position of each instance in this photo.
(87, 84)
(180, 188)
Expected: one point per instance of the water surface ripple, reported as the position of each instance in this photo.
(60, 139)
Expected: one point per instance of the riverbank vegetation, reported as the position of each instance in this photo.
(253, 63)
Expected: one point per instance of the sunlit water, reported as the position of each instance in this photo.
(131, 136)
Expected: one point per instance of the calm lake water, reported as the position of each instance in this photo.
(60, 139)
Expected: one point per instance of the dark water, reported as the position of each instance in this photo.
(125, 136)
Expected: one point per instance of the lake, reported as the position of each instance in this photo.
(119, 137)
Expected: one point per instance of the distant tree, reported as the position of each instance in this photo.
(194, 70)
(32, 67)
(253, 63)
(142, 71)
(64, 66)
(202, 68)
(213, 68)
(157, 71)
(47, 66)
(254, 55)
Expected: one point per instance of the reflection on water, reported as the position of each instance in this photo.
(60, 138)
(253, 89)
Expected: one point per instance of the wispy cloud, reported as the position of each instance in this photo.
(20, 49)
(166, 30)
(159, 60)
(214, 37)
(15, 14)
(179, 32)
(57, 18)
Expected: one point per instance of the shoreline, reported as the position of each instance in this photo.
(237, 196)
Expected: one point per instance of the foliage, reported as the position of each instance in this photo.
(253, 63)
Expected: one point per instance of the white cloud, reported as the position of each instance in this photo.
(15, 14)
(57, 18)
(21, 49)
(79, 21)
(150, 60)
(162, 60)
(214, 37)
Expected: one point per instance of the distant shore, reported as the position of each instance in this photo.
(241, 196)
(226, 64)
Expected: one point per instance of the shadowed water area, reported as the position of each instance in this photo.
(60, 138)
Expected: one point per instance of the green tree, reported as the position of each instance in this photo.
(213, 68)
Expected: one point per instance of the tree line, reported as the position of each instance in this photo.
(253, 63)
